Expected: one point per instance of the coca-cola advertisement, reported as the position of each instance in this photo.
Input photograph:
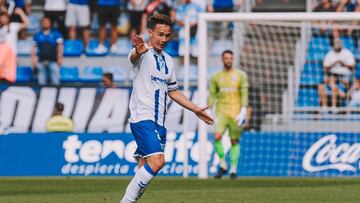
(333, 154)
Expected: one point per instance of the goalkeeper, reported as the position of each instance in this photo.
(229, 94)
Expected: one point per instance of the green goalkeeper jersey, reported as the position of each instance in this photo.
(229, 92)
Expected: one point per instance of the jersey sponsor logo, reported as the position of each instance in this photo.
(228, 89)
(325, 154)
(157, 79)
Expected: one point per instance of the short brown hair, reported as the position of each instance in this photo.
(59, 107)
(159, 19)
(109, 76)
(227, 52)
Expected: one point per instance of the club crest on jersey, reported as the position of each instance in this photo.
(161, 63)
(234, 78)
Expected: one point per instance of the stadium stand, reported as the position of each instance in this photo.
(24, 74)
(73, 48)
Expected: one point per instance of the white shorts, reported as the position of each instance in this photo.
(77, 15)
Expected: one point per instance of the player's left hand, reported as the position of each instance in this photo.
(203, 115)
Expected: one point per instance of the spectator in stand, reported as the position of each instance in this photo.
(223, 5)
(24, 5)
(13, 28)
(353, 30)
(2, 5)
(58, 122)
(9, 40)
(346, 6)
(7, 56)
(136, 10)
(201, 3)
(108, 12)
(338, 65)
(108, 80)
(56, 10)
(78, 13)
(50, 52)
(325, 6)
(188, 8)
(156, 7)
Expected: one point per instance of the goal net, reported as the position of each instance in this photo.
(297, 126)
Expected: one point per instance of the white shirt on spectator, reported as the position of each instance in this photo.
(55, 5)
(345, 56)
(139, 5)
(12, 36)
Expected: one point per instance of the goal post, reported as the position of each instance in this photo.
(300, 18)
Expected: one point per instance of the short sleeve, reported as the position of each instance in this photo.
(15, 27)
(58, 38)
(136, 64)
(350, 60)
(327, 59)
(36, 39)
(172, 84)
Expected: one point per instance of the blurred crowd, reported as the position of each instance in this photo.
(71, 19)
(336, 6)
(341, 84)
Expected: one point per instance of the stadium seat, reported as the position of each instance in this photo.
(24, 47)
(313, 55)
(320, 43)
(69, 74)
(172, 48)
(357, 71)
(124, 46)
(308, 97)
(121, 74)
(193, 73)
(93, 44)
(312, 74)
(23, 74)
(357, 53)
(73, 48)
(318, 47)
(348, 42)
(91, 74)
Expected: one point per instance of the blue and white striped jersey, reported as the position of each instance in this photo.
(154, 77)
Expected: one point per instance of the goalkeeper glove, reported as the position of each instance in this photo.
(212, 113)
(241, 118)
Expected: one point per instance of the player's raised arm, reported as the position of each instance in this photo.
(181, 99)
(140, 49)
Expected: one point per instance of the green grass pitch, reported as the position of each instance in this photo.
(169, 190)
